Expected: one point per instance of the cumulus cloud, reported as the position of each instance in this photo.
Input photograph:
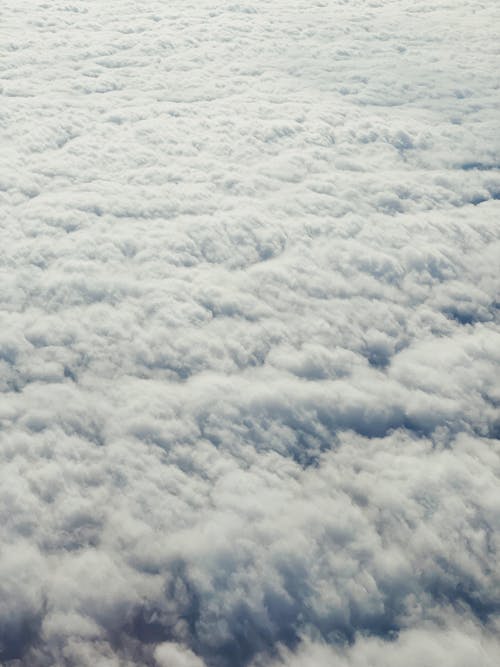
(250, 342)
(173, 655)
(450, 646)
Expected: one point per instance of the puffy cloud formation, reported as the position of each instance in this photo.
(250, 334)
(173, 655)
(417, 647)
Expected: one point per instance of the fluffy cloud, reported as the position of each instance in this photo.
(449, 646)
(250, 344)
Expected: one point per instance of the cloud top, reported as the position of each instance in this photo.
(250, 336)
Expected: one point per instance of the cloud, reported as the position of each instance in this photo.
(249, 351)
(460, 645)
(173, 655)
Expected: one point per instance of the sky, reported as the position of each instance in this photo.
(249, 333)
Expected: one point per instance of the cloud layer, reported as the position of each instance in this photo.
(250, 335)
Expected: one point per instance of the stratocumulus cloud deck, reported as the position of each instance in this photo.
(249, 342)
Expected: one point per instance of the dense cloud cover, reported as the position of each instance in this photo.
(250, 333)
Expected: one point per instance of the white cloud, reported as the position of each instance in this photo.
(173, 655)
(249, 343)
(458, 646)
